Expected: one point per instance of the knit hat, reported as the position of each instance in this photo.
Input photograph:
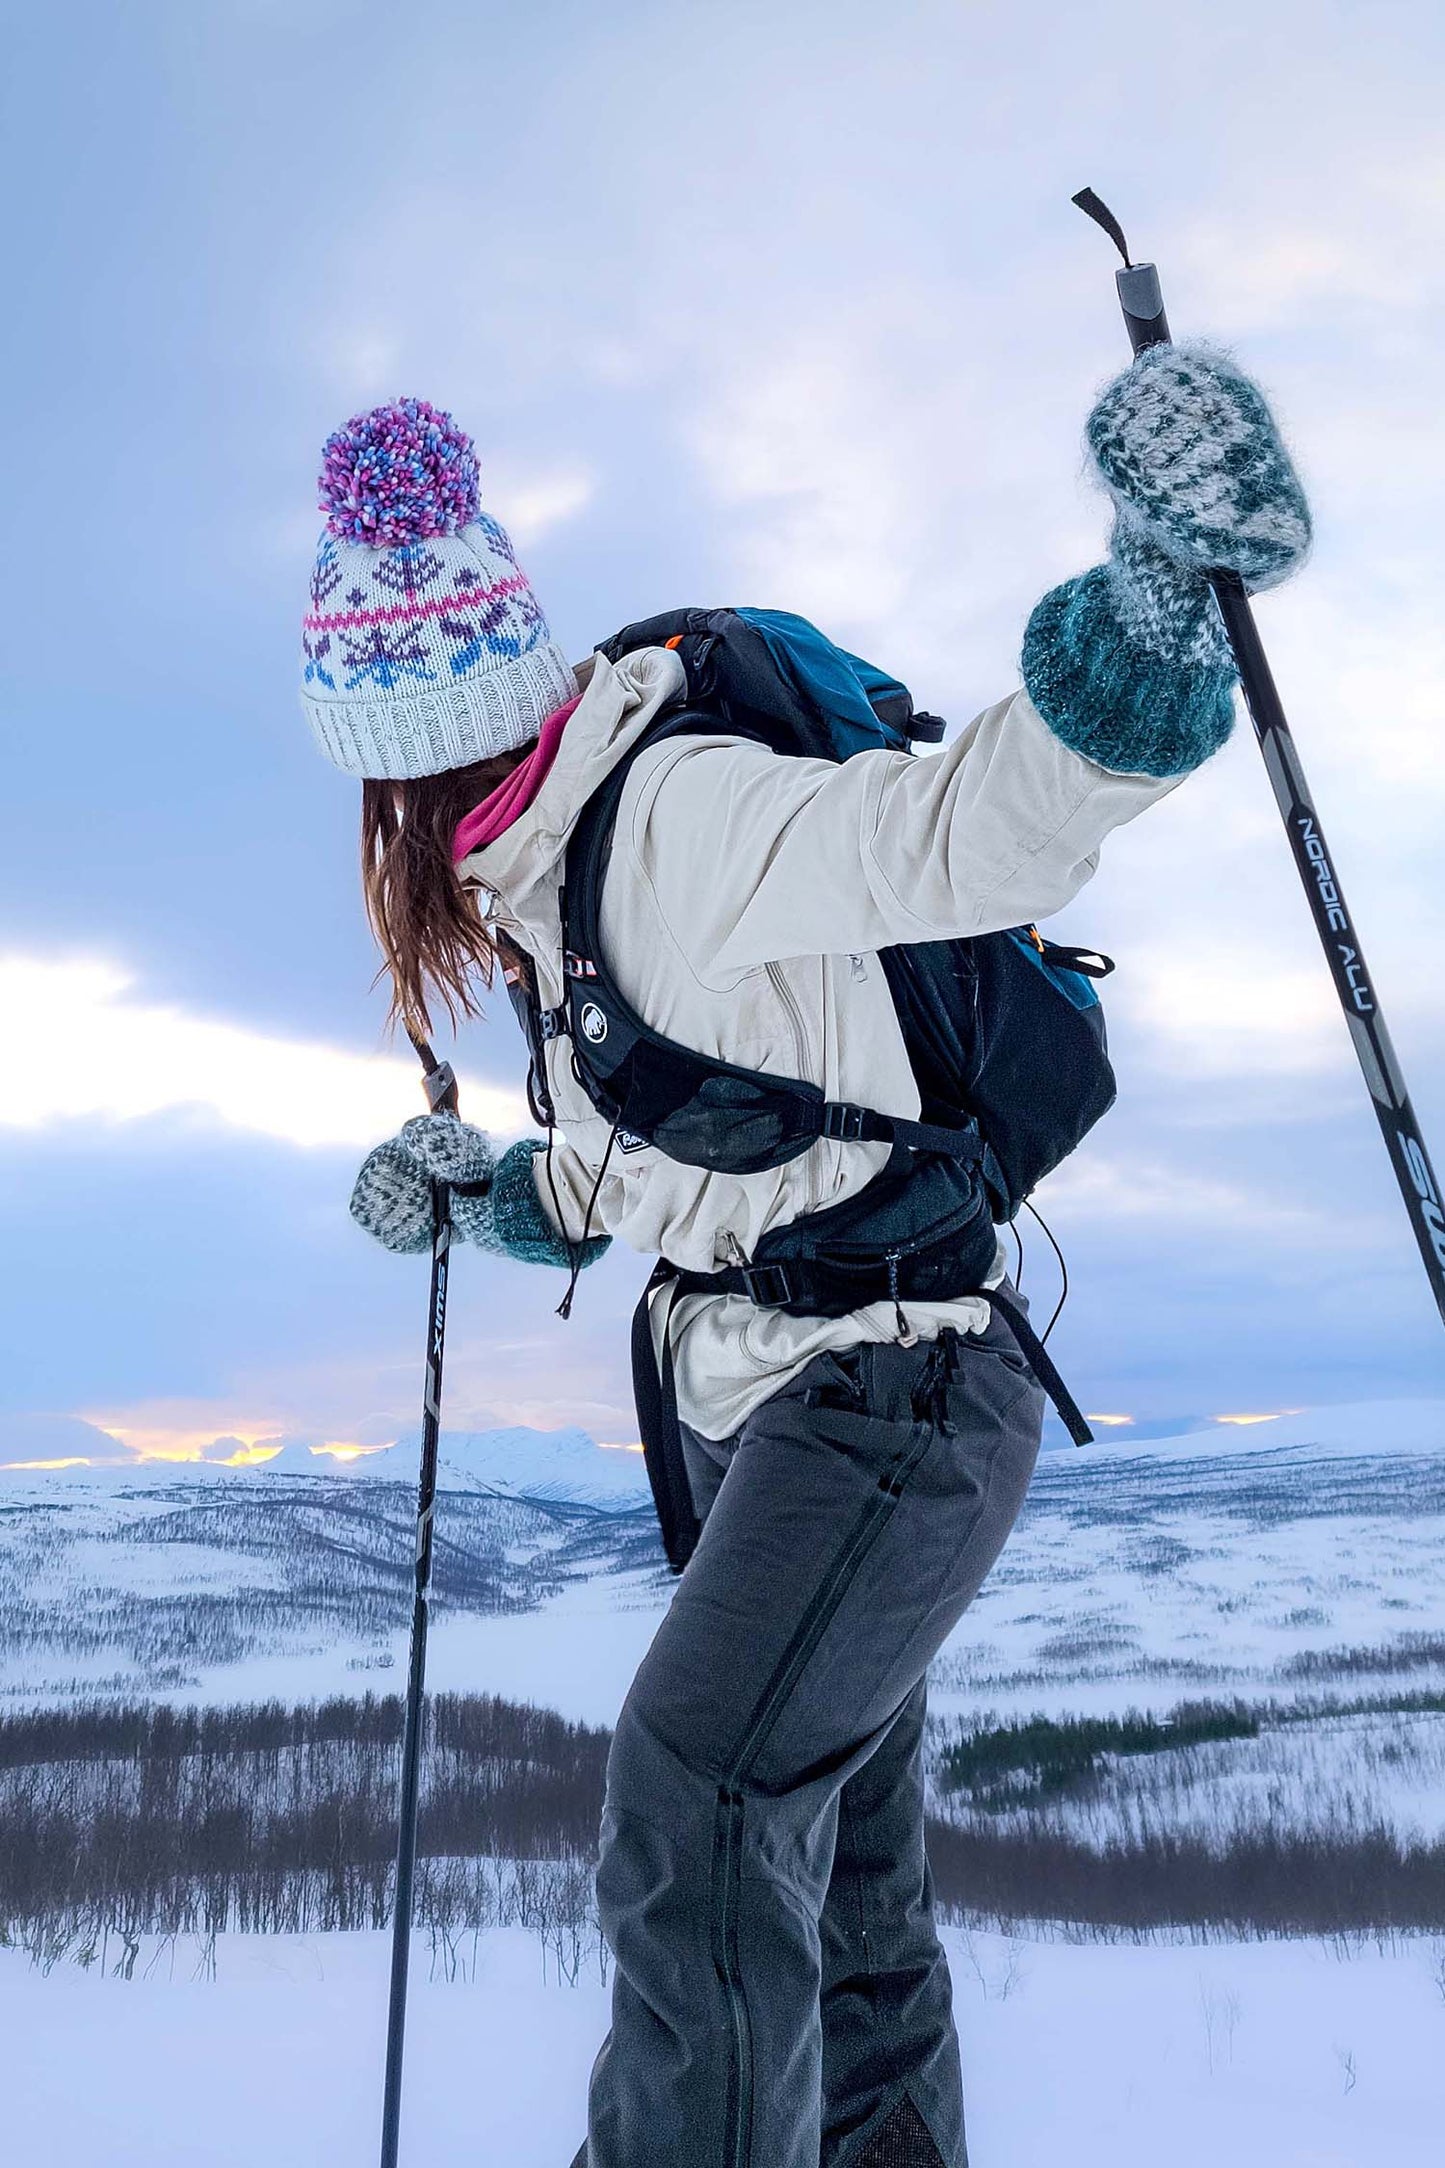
(425, 647)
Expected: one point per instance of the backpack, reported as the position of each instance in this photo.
(1004, 1033)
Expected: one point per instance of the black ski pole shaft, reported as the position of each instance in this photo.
(441, 1091)
(1141, 299)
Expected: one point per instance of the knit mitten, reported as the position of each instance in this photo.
(392, 1199)
(1128, 664)
(494, 1203)
(449, 1149)
(509, 1220)
(1187, 444)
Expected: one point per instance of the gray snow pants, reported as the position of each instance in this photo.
(780, 1998)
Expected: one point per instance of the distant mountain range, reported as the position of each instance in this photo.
(564, 1463)
(567, 1464)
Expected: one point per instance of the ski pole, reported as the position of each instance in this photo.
(1143, 304)
(441, 1093)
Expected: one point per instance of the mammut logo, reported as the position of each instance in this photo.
(1429, 1195)
(594, 1024)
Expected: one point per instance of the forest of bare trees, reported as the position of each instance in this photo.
(123, 1822)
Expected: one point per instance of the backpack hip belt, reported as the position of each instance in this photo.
(800, 1286)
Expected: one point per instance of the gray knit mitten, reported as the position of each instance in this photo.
(1186, 443)
(392, 1199)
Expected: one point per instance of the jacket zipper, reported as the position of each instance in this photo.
(810, 1175)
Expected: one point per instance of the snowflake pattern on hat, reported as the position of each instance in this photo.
(424, 647)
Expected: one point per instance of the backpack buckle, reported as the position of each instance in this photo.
(770, 1286)
(577, 967)
(843, 1123)
(552, 1024)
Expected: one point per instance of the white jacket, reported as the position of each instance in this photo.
(745, 901)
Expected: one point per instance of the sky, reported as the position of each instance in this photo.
(779, 304)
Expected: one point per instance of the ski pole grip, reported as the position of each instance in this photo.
(439, 1079)
(441, 1089)
(1143, 306)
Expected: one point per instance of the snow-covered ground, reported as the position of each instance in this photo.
(1261, 2056)
(1298, 1566)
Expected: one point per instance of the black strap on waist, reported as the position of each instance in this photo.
(654, 1388)
(1039, 1360)
(654, 1383)
(838, 1119)
(861, 1125)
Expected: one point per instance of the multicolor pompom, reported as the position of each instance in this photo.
(400, 474)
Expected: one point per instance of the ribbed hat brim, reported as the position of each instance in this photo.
(396, 735)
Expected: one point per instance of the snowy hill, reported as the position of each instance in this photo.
(38, 1451)
(561, 1464)
(1228, 1561)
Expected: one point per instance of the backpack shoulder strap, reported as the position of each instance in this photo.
(620, 1037)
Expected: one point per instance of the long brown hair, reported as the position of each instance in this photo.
(433, 942)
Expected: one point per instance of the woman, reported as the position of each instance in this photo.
(781, 1998)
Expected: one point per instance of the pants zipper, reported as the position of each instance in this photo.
(728, 1837)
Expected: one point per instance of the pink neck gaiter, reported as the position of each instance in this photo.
(497, 811)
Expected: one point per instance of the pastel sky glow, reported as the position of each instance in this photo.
(110, 1057)
(781, 304)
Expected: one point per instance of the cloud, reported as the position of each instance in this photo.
(530, 507)
(174, 1429)
(1097, 1189)
(1219, 1019)
(915, 496)
(54, 1440)
(1366, 244)
(76, 1043)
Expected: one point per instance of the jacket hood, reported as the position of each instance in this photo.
(619, 702)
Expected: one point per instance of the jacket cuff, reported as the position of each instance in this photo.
(510, 1222)
(1120, 703)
